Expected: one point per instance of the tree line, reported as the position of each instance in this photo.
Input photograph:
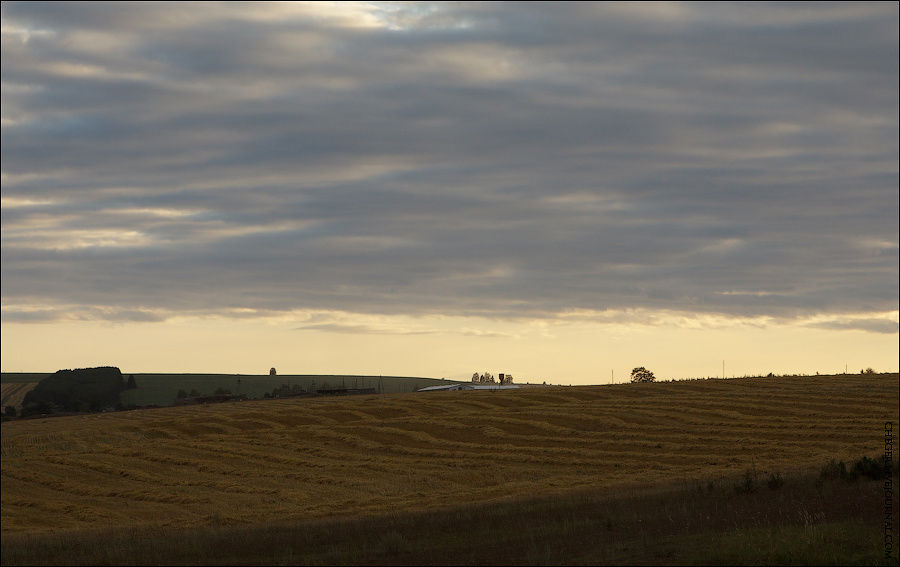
(78, 390)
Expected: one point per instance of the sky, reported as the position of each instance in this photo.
(559, 191)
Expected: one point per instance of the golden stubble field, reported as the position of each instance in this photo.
(12, 394)
(260, 461)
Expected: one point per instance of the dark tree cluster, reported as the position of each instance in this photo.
(81, 390)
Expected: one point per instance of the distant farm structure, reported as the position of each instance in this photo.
(456, 387)
(484, 381)
(488, 378)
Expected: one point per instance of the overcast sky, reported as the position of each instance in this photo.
(340, 165)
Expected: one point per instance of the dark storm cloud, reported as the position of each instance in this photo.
(482, 159)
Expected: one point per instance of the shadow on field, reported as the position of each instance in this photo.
(811, 518)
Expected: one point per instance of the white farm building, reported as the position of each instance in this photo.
(469, 387)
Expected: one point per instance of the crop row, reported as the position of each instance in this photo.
(301, 458)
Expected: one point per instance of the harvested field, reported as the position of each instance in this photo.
(299, 459)
(13, 393)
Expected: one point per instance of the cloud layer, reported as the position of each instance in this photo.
(501, 160)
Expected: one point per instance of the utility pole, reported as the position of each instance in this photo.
(723, 369)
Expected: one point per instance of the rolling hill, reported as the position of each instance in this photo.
(304, 459)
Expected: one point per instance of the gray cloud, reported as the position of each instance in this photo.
(868, 325)
(358, 329)
(482, 159)
(88, 313)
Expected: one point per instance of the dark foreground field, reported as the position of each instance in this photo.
(706, 472)
(805, 521)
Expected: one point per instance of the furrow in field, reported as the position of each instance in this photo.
(302, 457)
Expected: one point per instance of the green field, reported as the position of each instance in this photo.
(162, 389)
(16, 377)
(15, 385)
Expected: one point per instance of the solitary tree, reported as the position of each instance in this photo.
(641, 374)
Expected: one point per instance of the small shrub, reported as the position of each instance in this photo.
(748, 484)
(869, 468)
(834, 470)
(775, 481)
(866, 467)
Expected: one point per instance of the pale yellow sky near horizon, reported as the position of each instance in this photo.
(566, 350)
